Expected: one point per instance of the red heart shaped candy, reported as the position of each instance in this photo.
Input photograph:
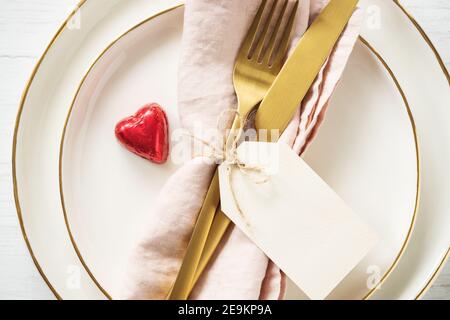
(146, 133)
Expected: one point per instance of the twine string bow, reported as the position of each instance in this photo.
(229, 156)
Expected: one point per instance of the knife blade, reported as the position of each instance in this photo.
(302, 67)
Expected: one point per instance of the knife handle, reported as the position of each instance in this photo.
(183, 283)
(218, 228)
(186, 277)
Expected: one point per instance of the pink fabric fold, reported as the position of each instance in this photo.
(213, 32)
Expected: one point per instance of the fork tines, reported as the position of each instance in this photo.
(264, 41)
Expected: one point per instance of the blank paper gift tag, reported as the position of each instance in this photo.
(294, 217)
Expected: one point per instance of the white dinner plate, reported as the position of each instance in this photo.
(43, 112)
(108, 192)
(424, 79)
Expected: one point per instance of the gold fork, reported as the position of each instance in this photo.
(259, 61)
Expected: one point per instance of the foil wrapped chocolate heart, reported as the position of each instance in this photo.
(146, 133)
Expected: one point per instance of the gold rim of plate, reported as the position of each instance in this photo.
(20, 110)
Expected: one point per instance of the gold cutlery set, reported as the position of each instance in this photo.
(261, 78)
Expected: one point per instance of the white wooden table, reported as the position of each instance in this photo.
(26, 27)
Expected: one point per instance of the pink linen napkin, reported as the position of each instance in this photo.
(213, 32)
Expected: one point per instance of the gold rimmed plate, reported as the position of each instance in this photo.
(425, 80)
(107, 192)
(71, 53)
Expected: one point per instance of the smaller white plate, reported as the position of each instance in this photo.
(366, 151)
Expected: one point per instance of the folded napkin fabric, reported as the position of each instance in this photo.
(213, 33)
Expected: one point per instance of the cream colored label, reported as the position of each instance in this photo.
(293, 216)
